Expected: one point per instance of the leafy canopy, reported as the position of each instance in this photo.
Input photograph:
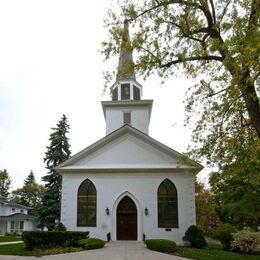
(30, 194)
(215, 42)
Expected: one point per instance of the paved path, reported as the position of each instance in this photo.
(10, 242)
(115, 250)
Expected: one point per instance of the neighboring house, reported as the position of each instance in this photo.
(14, 218)
(128, 186)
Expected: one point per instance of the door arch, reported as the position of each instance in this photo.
(126, 219)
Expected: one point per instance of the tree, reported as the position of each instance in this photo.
(30, 194)
(206, 213)
(218, 40)
(236, 187)
(5, 183)
(57, 152)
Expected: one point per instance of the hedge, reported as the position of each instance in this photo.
(224, 234)
(49, 239)
(161, 245)
(91, 243)
(195, 236)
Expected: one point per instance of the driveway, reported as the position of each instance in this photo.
(114, 250)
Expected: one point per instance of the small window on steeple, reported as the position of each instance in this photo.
(127, 118)
(125, 91)
(114, 94)
(136, 93)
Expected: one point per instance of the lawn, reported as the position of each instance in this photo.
(10, 238)
(213, 252)
(19, 249)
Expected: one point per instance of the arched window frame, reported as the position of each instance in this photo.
(167, 205)
(87, 205)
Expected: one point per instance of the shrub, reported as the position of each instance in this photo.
(161, 245)
(91, 243)
(245, 241)
(195, 236)
(224, 234)
(59, 227)
(50, 239)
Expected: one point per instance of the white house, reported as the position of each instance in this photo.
(14, 218)
(128, 186)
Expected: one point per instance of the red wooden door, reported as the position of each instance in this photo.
(126, 220)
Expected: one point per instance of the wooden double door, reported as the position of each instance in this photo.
(126, 220)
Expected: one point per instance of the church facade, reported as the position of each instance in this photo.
(128, 186)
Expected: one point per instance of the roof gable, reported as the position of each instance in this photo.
(127, 148)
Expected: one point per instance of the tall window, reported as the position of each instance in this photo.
(167, 205)
(87, 204)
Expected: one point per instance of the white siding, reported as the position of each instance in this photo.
(139, 118)
(8, 210)
(143, 188)
(127, 151)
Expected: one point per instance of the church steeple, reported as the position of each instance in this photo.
(126, 106)
(125, 69)
(126, 87)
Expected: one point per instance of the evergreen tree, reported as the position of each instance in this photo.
(5, 183)
(57, 152)
(30, 194)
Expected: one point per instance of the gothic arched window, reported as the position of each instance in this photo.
(167, 205)
(87, 204)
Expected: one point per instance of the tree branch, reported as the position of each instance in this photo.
(196, 58)
(213, 11)
(224, 11)
(216, 93)
(158, 60)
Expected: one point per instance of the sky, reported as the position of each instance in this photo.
(50, 64)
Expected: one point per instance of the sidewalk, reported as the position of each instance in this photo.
(11, 242)
(114, 250)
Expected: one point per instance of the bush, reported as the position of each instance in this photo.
(245, 241)
(161, 245)
(91, 243)
(50, 239)
(59, 227)
(195, 236)
(224, 234)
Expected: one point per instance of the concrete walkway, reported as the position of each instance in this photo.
(10, 242)
(115, 250)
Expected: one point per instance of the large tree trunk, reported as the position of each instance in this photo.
(252, 102)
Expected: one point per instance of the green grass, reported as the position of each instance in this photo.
(19, 249)
(10, 238)
(213, 252)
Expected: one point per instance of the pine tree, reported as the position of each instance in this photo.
(30, 194)
(5, 182)
(57, 152)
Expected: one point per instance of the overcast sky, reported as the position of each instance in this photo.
(50, 64)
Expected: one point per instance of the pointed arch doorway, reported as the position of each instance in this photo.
(126, 219)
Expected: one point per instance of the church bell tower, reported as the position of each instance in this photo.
(126, 106)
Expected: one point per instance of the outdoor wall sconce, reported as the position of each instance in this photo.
(107, 211)
(146, 211)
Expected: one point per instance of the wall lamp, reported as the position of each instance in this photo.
(107, 211)
(146, 211)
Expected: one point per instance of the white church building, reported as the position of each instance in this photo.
(127, 185)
